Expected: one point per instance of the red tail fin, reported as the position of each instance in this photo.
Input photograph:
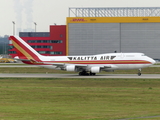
(24, 50)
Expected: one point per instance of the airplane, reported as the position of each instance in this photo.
(85, 65)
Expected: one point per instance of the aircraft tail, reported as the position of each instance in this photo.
(24, 51)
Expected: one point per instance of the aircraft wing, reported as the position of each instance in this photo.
(83, 66)
(76, 65)
(64, 64)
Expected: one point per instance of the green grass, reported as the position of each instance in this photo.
(149, 70)
(78, 99)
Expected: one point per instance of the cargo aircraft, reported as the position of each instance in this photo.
(85, 65)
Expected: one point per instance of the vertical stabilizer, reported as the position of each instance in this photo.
(24, 50)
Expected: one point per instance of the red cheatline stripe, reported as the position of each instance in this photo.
(105, 62)
(90, 62)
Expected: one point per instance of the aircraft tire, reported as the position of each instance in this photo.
(92, 73)
(139, 74)
(83, 73)
(80, 73)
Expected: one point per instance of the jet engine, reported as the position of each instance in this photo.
(70, 68)
(95, 69)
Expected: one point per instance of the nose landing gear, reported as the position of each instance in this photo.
(139, 72)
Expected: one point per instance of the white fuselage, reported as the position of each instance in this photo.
(110, 61)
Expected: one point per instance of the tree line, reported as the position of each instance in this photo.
(4, 44)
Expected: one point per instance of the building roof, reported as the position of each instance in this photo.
(115, 12)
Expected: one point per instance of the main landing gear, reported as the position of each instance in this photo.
(86, 73)
(139, 72)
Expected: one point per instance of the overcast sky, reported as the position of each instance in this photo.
(48, 12)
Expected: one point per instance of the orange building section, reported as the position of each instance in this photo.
(112, 19)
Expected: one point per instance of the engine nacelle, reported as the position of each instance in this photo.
(70, 68)
(95, 69)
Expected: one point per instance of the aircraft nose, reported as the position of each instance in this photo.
(153, 61)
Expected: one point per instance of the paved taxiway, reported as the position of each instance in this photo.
(36, 75)
(28, 75)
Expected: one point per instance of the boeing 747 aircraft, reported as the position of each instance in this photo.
(85, 65)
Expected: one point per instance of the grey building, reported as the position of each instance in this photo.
(105, 30)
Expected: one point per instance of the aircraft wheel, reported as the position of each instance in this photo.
(139, 74)
(86, 73)
(92, 73)
(83, 73)
(80, 73)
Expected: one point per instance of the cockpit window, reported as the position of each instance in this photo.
(143, 55)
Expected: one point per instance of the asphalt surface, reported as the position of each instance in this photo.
(37, 75)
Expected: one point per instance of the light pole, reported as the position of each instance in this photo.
(35, 25)
(120, 36)
(13, 27)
